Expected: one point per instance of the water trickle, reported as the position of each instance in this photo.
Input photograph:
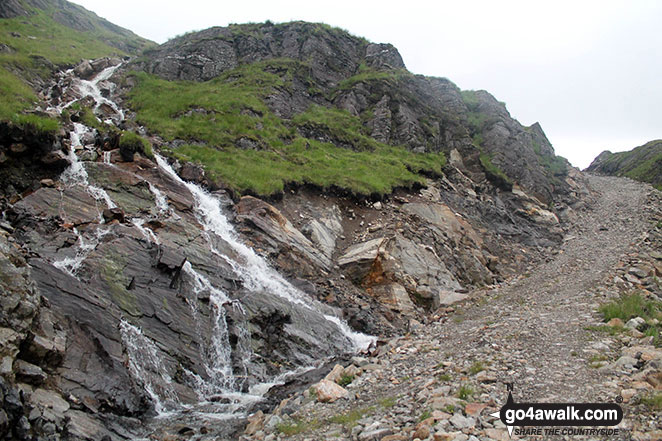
(161, 200)
(76, 174)
(149, 235)
(147, 368)
(106, 157)
(84, 247)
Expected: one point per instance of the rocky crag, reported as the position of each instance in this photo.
(142, 277)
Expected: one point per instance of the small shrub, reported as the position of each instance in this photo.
(444, 377)
(131, 143)
(345, 380)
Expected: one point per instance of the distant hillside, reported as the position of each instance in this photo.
(643, 163)
(39, 36)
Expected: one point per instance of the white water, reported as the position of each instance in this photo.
(147, 368)
(254, 271)
(149, 235)
(77, 135)
(84, 246)
(161, 200)
(218, 354)
(91, 88)
(76, 174)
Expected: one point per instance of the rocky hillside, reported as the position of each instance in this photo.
(279, 97)
(204, 230)
(643, 163)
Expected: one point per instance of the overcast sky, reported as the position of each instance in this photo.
(589, 71)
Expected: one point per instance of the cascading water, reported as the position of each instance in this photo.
(226, 365)
(90, 88)
(218, 355)
(253, 270)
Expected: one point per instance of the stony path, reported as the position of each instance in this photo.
(442, 380)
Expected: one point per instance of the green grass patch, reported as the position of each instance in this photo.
(36, 123)
(136, 143)
(425, 415)
(349, 419)
(494, 173)
(296, 427)
(218, 112)
(239, 141)
(445, 377)
(630, 306)
(653, 401)
(15, 95)
(470, 98)
(597, 360)
(635, 305)
(610, 330)
(338, 124)
(388, 402)
(367, 74)
(265, 172)
(345, 380)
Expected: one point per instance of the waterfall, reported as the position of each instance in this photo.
(218, 354)
(91, 88)
(253, 270)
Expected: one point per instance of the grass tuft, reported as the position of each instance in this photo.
(476, 367)
(465, 392)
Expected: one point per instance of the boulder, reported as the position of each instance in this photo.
(336, 374)
(358, 259)
(394, 296)
(29, 373)
(328, 391)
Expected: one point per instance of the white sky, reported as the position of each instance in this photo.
(589, 71)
